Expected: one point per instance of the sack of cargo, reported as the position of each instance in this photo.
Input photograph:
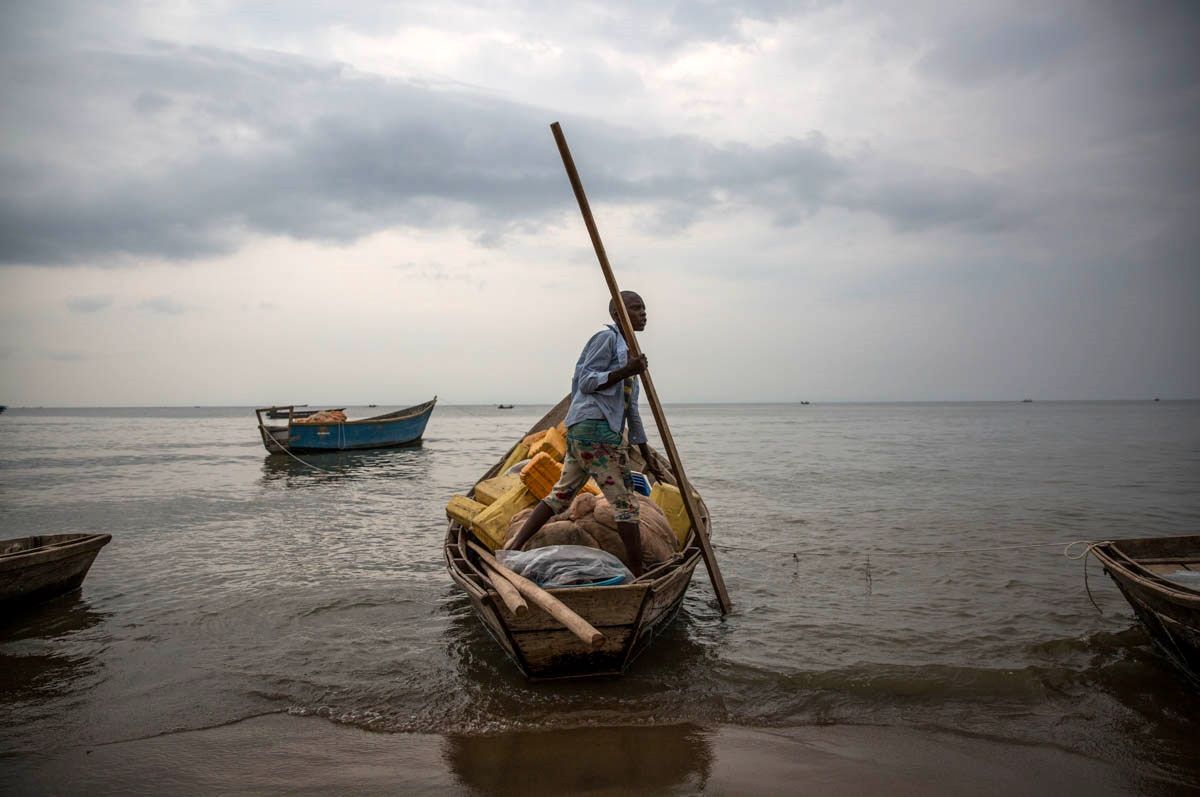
(590, 521)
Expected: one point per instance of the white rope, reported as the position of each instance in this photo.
(930, 552)
(1091, 546)
(285, 450)
(1068, 548)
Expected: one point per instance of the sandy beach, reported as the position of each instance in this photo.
(308, 755)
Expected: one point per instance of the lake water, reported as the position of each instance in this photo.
(892, 566)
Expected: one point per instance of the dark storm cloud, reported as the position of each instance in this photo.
(920, 199)
(182, 152)
(971, 53)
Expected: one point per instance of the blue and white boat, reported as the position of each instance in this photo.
(301, 434)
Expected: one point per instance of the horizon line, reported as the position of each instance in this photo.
(756, 402)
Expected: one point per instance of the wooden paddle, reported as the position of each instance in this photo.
(578, 626)
(710, 558)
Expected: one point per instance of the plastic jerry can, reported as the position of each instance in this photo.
(488, 490)
(670, 501)
(491, 523)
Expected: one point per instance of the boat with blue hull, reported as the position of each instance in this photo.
(399, 428)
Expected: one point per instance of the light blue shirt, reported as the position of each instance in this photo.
(603, 354)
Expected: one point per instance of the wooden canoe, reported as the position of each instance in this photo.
(629, 615)
(399, 428)
(1153, 575)
(34, 569)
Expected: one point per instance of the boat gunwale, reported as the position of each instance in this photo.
(1104, 553)
(53, 552)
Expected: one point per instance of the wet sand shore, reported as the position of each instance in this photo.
(284, 753)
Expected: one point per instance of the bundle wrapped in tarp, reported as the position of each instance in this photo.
(566, 566)
(590, 521)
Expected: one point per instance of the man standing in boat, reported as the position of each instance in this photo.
(604, 395)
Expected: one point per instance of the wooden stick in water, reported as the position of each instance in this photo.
(660, 417)
(547, 602)
(508, 593)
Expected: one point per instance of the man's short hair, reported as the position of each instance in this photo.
(626, 296)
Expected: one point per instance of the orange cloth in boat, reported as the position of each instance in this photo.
(324, 416)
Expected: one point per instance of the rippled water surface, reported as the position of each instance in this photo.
(850, 537)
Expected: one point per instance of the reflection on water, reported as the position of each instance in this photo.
(63, 615)
(646, 760)
(406, 462)
(42, 659)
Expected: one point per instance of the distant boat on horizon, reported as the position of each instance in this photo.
(1026, 401)
(504, 406)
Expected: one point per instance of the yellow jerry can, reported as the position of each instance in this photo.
(488, 490)
(670, 501)
(519, 453)
(542, 473)
(553, 443)
(463, 509)
(491, 523)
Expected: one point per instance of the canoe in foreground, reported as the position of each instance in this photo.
(629, 615)
(33, 569)
(399, 428)
(1160, 577)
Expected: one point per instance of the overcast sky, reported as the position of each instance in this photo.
(273, 202)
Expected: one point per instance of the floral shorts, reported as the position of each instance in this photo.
(595, 450)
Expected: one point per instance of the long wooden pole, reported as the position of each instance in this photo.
(507, 592)
(685, 489)
(560, 611)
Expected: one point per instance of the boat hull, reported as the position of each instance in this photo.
(1170, 612)
(34, 569)
(629, 616)
(402, 428)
